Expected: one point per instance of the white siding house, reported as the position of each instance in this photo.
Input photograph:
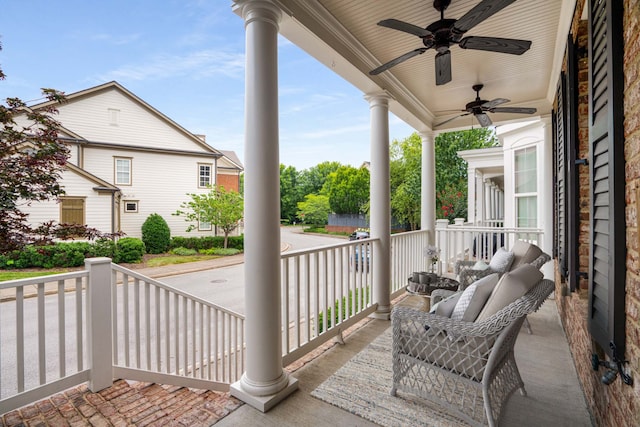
(512, 185)
(128, 161)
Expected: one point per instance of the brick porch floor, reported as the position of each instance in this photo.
(125, 404)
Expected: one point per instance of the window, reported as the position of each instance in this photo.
(131, 206)
(204, 226)
(72, 210)
(122, 171)
(526, 182)
(204, 175)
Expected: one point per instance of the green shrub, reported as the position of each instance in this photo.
(129, 249)
(103, 248)
(219, 251)
(347, 307)
(209, 242)
(183, 251)
(156, 234)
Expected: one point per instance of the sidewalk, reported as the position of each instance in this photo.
(51, 287)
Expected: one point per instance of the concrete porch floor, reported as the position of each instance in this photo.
(554, 394)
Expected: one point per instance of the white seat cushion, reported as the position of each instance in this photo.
(524, 253)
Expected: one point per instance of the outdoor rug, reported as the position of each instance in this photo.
(362, 387)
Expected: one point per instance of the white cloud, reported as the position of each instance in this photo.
(195, 65)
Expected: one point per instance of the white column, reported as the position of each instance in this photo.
(264, 383)
(380, 197)
(487, 201)
(471, 196)
(428, 185)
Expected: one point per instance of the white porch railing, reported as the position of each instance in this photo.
(467, 242)
(70, 333)
(324, 291)
(161, 334)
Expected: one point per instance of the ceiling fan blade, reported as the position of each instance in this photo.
(405, 26)
(452, 118)
(496, 44)
(484, 120)
(518, 110)
(398, 60)
(479, 13)
(494, 103)
(443, 68)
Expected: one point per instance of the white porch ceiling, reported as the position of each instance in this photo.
(344, 35)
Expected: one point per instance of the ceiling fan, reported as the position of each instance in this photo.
(479, 108)
(441, 34)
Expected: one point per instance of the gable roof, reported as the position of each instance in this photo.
(232, 157)
(117, 86)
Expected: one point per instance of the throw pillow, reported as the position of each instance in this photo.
(511, 286)
(501, 260)
(445, 307)
(474, 298)
(480, 265)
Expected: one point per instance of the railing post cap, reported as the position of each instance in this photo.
(97, 260)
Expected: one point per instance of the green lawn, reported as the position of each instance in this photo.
(178, 259)
(15, 275)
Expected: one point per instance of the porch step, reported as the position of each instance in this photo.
(126, 403)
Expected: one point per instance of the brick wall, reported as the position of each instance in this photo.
(616, 404)
(229, 182)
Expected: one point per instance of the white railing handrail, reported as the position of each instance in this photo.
(316, 249)
(174, 290)
(43, 279)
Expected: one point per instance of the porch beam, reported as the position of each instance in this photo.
(264, 383)
(380, 207)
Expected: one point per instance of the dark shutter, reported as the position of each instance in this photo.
(561, 182)
(571, 144)
(606, 167)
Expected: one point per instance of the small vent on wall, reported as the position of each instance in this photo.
(114, 116)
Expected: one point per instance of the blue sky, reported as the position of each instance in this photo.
(185, 58)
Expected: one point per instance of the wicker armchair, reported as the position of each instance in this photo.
(466, 367)
(525, 253)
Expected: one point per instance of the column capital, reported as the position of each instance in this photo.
(258, 10)
(427, 135)
(378, 98)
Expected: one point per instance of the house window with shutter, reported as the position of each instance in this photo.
(72, 210)
(122, 172)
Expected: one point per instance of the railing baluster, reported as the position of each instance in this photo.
(297, 302)
(42, 351)
(147, 323)
(223, 345)
(136, 311)
(201, 336)
(79, 323)
(125, 312)
(157, 324)
(285, 305)
(194, 340)
(20, 337)
(114, 314)
(185, 337)
(208, 330)
(62, 362)
(167, 331)
(216, 347)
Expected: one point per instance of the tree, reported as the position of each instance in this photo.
(451, 169)
(314, 210)
(219, 207)
(347, 189)
(290, 193)
(32, 160)
(405, 175)
(312, 180)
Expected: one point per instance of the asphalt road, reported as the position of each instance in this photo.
(225, 286)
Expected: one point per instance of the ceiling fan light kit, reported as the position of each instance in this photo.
(441, 34)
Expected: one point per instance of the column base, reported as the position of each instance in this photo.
(263, 403)
(382, 313)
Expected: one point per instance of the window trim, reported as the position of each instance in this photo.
(115, 170)
(210, 165)
(125, 202)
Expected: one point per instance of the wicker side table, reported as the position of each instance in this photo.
(424, 289)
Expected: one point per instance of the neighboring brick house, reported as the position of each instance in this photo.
(128, 160)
